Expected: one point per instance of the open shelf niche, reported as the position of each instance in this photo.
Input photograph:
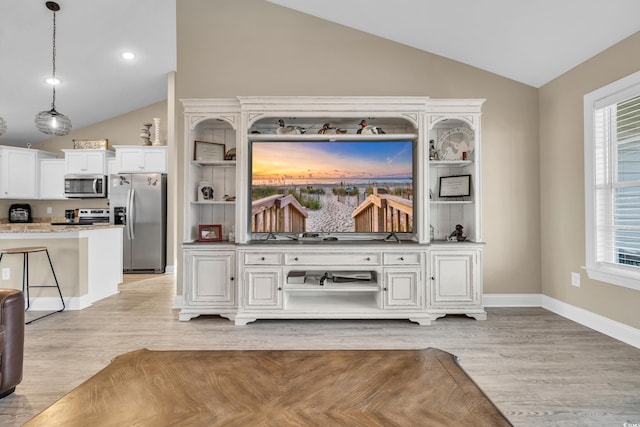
(220, 174)
(453, 150)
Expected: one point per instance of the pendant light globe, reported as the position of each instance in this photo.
(53, 123)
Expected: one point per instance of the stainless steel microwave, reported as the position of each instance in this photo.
(85, 186)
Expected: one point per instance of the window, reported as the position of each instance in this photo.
(612, 182)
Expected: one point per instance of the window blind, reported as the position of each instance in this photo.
(627, 195)
(617, 182)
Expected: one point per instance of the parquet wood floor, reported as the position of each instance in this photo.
(277, 388)
(539, 369)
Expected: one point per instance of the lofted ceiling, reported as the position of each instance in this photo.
(96, 83)
(531, 42)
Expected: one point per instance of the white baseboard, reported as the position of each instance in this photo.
(617, 330)
(170, 269)
(512, 300)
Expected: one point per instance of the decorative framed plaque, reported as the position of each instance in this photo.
(208, 151)
(455, 186)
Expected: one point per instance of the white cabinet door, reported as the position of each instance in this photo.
(402, 288)
(454, 275)
(19, 174)
(263, 288)
(85, 162)
(141, 159)
(52, 179)
(210, 278)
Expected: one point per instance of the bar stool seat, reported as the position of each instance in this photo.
(25, 251)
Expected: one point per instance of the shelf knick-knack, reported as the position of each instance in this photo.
(145, 133)
(156, 125)
(205, 191)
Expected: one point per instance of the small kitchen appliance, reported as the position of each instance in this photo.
(93, 215)
(85, 186)
(20, 212)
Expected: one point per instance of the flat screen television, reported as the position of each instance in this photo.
(324, 188)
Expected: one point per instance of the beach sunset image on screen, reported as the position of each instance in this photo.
(329, 187)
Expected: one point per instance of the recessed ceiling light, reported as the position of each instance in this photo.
(53, 81)
(128, 55)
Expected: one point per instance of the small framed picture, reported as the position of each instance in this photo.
(208, 151)
(455, 186)
(209, 232)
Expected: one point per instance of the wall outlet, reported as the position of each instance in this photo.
(49, 209)
(6, 273)
(575, 279)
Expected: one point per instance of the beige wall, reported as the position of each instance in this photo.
(562, 183)
(120, 130)
(228, 48)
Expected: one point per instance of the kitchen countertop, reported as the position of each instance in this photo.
(46, 227)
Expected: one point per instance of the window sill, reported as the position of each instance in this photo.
(615, 275)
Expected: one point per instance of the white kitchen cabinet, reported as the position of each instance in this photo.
(456, 282)
(141, 159)
(210, 282)
(86, 162)
(19, 172)
(52, 179)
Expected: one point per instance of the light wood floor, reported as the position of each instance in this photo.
(538, 368)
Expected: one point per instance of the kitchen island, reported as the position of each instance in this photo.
(87, 260)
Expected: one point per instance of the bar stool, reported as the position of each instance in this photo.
(25, 274)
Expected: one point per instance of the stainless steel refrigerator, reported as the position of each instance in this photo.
(139, 202)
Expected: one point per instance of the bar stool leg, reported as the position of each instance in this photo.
(25, 277)
(56, 279)
(57, 286)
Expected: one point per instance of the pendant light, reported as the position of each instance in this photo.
(3, 126)
(52, 122)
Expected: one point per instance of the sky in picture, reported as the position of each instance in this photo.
(326, 160)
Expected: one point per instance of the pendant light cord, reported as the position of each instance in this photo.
(53, 101)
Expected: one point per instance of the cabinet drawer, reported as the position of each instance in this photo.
(262, 259)
(332, 259)
(401, 259)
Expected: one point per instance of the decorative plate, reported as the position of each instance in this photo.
(454, 141)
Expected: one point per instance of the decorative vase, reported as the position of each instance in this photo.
(156, 124)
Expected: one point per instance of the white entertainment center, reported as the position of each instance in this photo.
(414, 269)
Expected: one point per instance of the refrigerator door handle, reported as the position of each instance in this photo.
(131, 213)
(127, 224)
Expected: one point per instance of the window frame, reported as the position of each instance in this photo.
(612, 93)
